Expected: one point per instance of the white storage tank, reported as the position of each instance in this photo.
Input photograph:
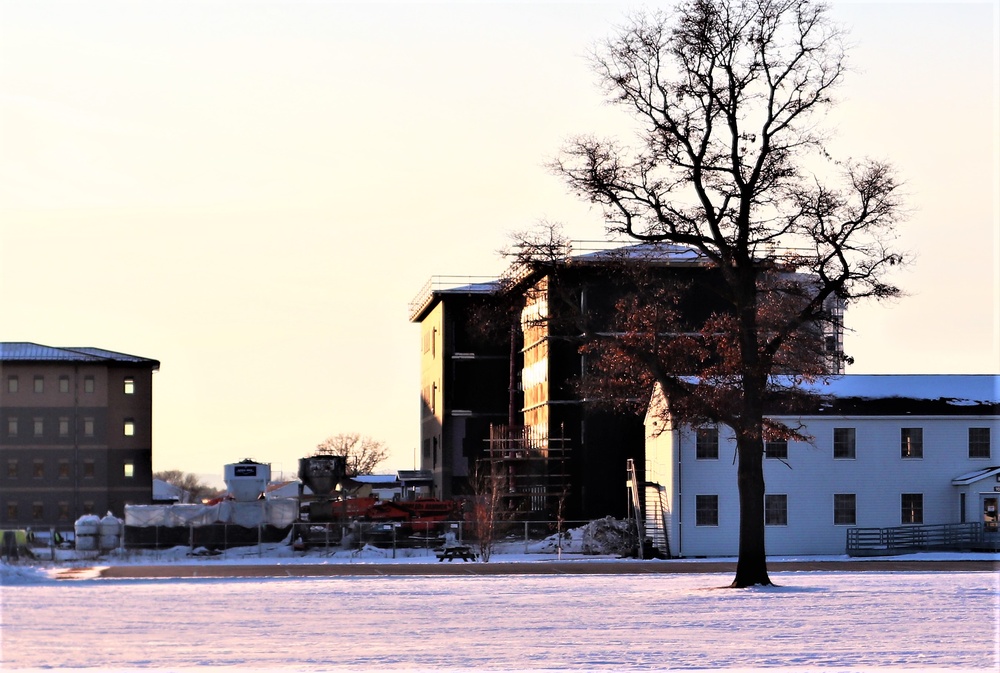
(110, 529)
(247, 480)
(87, 528)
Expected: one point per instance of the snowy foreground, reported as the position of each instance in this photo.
(850, 621)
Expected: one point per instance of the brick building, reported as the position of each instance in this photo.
(75, 433)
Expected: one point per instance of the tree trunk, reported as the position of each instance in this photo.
(751, 566)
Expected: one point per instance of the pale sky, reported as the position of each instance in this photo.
(252, 192)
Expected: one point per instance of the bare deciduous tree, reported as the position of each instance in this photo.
(189, 482)
(489, 510)
(363, 453)
(731, 162)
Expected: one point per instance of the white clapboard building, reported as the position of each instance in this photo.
(886, 451)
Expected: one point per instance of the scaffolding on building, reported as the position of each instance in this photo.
(534, 467)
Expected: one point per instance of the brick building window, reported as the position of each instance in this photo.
(39, 384)
(38, 469)
(62, 510)
(88, 427)
(88, 384)
(63, 468)
(39, 426)
(12, 383)
(37, 511)
(11, 511)
(64, 384)
(88, 468)
(12, 426)
(12, 468)
(129, 469)
(129, 385)
(129, 427)
(64, 426)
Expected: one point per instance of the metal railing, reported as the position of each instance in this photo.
(935, 537)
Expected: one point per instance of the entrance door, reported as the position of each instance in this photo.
(991, 517)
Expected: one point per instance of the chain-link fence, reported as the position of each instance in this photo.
(513, 536)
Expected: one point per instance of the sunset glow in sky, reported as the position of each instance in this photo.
(252, 192)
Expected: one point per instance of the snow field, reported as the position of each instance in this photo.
(852, 621)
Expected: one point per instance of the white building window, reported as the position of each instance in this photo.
(911, 442)
(776, 449)
(706, 510)
(129, 385)
(845, 511)
(776, 509)
(844, 443)
(912, 508)
(979, 442)
(707, 444)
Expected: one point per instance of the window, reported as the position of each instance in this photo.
(12, 511)
(776, 510)
(37, 511)
(706, 510)
(12, 468)
(979, 442)
(64, 384)
(64, 426)
(913, 508)
(39, 427)
(88, 468)
(844, 443)
(38, 469)
(129, 469)
(12, 383)
(911, 442)
(707, 444)
(63, 468)
(776, 449)
(88, 384)
(12, 426)
(63, 511)
(88, 506)
(88, 427)
(39, 384)
(129, 427)
(129, 385)
(844, 509)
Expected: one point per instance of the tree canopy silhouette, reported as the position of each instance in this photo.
(732, 162)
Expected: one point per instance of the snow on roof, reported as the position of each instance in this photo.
(650, 252)
(956, 388)
(373, 479)
(972, 477)
(24, 351)
(894, 394)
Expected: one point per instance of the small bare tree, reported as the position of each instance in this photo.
(489, 507)
(363, 453)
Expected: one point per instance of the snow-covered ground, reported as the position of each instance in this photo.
(813, 620)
